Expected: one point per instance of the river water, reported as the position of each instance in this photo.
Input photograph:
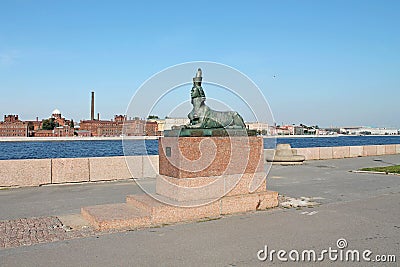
(107, 148)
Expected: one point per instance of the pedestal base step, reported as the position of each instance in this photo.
(144, 211)
(163, 213)
(248, 202)
(114, 216)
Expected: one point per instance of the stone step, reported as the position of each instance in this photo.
(162, 213)
(145, 211)
(114, 216)
(248, 202)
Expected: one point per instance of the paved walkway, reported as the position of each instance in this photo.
(36, 215)
(332, 180)
(363, 208)
(30, 231)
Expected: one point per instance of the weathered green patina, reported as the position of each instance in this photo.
(205, 121)
(187, 132)
(203, 117)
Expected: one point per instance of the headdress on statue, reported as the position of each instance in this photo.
(197, 80)
(197, 84)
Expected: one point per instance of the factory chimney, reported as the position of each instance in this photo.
(92, 108)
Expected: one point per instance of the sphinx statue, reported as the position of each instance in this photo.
(203, 117)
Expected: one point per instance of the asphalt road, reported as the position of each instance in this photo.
(361, 208)
(63, 199)
(333, 181)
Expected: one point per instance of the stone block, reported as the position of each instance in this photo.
(108, 168)
(248, 183)
(189, 157)
(191, 189)
(239, 203)
(213, 187)
(380, 150)
(248, 202)
(144, 211)
(69, 170)
(268, 200)
(150, 166)
(397, 149)
(116, 216)
(340, 152)
(369, 151)
(172, 214)
(325, 153)
(269, 154)
(390, 149)
(163, 213)
(356, 151)
(311, 153)
(135, 166)
(26, 172)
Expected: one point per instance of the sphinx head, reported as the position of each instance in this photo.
(197, 91)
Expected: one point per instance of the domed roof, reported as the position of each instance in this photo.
(56, 111)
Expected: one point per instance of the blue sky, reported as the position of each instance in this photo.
(317, 62)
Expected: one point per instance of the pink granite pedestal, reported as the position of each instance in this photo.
(224, 174)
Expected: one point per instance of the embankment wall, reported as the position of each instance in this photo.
(35, 172)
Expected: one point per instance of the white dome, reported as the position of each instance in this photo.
(56, 111)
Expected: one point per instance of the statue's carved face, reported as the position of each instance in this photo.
(195, 92)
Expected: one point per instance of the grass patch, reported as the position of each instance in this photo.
(388, 169)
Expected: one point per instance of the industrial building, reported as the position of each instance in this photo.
(119, 126)
(12, 126)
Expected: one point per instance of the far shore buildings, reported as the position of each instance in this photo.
(160, 125)
(362, 130)
(61, 127)
(121, 125)
(13, 127)
(171, 122)
(261, 127)
(316, 131)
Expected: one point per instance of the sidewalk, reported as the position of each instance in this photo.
(363, 208)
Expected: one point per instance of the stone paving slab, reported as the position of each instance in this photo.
(30, 231)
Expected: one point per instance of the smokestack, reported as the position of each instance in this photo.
(98, 116)
(92, 108)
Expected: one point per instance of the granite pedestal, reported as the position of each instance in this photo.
(200, 177)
